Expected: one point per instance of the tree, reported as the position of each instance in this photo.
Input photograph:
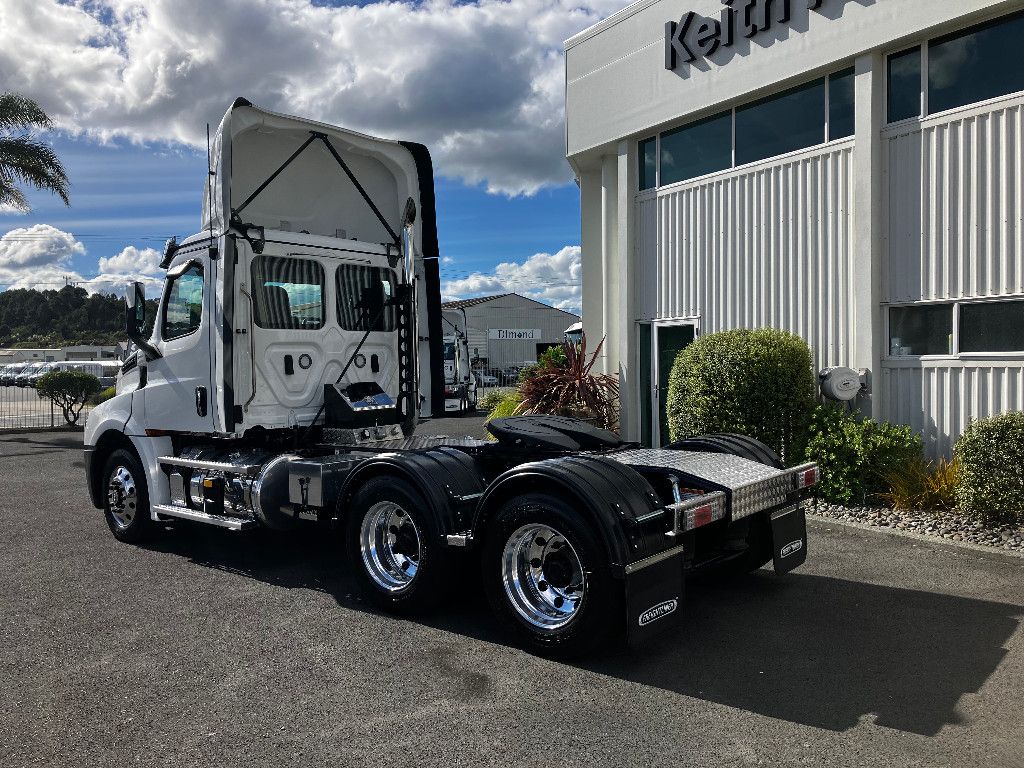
(69, 391)
(23, 158)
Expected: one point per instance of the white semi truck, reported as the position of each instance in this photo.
(459, 383)
(297, 338)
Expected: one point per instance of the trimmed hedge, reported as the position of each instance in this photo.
(755, 382)
(856, 455)
(990, 453)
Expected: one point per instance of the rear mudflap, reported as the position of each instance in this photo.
(654, 596)
(789, 538)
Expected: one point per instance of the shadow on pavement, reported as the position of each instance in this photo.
(808, 649)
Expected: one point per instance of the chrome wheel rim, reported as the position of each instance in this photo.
(122, 497)
(543, 576)
(390, 544)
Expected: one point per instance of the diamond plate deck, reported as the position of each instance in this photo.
(754, 486)
(415, 443)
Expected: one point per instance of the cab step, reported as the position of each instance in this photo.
(198, 516)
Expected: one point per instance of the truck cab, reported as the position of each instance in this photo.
(460, 386)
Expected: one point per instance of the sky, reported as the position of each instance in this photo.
(131, 86)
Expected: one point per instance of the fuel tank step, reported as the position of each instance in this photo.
(221, 521)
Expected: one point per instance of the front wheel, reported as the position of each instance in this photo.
(126, 504)
(548, 578)
(394, 546)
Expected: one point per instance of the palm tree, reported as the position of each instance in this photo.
(23, 158)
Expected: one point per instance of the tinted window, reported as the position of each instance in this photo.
(997, 327)
(648, 163)
(362, 292)
(840, 104)
(905, 85)
(981, 63)
(288, 293)
(792, 120)
(696, 149)
(183, 310)
(922, 330)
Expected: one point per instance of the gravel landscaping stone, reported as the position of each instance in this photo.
(951, 526)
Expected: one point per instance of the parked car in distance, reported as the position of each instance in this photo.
(40, 370)
(25, 374)
(510, 375)
(104, 370)
(9, 373)
(484, 379)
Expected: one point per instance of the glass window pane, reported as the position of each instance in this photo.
(977, 64)
(288, 293)
(905, 85)
(997, 327)
(648, 159)
(921, 330)
(696, 149)
(183, 311)
(362, 292)
(840, 104)
(791, 120)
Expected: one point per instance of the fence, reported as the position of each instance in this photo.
(22, 408)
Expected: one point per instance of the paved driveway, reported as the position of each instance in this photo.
(213, 648)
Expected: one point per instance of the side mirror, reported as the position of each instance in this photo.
(135, 320)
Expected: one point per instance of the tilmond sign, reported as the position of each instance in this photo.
(694, 36)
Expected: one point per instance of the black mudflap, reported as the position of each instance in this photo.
(654, 596)
(789, 539)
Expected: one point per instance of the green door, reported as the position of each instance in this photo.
(670, 341)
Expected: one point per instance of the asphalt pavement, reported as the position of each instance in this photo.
(210, 648)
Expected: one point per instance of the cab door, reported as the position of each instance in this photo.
(177, 395)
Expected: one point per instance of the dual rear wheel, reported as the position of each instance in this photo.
(544, 573)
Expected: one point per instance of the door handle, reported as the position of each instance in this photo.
(289, 366)
(201, 401)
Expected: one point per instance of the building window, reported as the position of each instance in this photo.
(904, 86)
(183, 309)
(992, 327)
(649, 163)
(840, 105)
(782, 123)
(697, 149)
(921, 330)
(976, 64)
(287, 293)
(362, 296)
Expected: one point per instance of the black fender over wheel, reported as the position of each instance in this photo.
(394, 545)
(548, 578)
(125, 494)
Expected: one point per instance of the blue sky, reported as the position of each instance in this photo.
(132, 84)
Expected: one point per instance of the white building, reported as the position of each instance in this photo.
(849, 170)
(509, 329)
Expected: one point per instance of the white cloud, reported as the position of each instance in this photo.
(551, 278)
(479, 83)
(41, 257)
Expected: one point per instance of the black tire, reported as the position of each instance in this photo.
(431, 561)
(126, 497)
(598, 616)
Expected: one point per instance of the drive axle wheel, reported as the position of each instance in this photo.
(393, 545)
(126, 505)
(547, 576)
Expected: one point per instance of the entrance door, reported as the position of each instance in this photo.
(660, 343)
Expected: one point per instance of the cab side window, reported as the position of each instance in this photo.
(183, 310)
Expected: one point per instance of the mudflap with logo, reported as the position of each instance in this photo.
(789, 539)
(654, 596)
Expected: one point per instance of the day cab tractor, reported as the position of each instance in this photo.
(298, 338)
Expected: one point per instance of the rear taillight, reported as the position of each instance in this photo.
(695, 512)
(806, 475)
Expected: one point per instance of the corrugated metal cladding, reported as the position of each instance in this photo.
(954, 192)
(938, 398)
(768, 245)
(512, 311)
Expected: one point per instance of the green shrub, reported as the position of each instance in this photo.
(69, 391)
(494, 396)
(507, 406)
(855, 455)
(756, 382)
(551, 357)
(103, 396)
(991, 457)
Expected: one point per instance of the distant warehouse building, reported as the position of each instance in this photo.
(852, 172)
(509, 329)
